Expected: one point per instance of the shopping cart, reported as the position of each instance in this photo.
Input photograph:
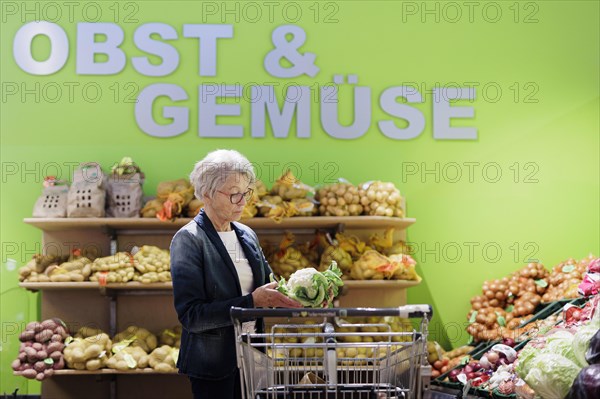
(319, 354)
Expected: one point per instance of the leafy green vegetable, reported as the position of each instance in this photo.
(561, 343)
(551, 376)
(581, 341)
(312, 288)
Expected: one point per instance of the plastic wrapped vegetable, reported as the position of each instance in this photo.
(551, 376)
(373, 266)
(151, 208)
(164, 359)
(136, 336)
(151, 259)
(289, 187)
(312, 288)
(339, 199)
(34, 269)
(170, 337)
(175, 196)
(381, 199)
(591, 281)
(90, 353)
(260, 189)
(288, 259)
(125, 358)
(78, 269)
(406, 267)
(333, 252)
(117, 268)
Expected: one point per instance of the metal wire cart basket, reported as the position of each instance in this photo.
(320, 353)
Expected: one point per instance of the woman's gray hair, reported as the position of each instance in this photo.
(210, 173)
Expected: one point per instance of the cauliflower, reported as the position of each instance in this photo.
(313, 288)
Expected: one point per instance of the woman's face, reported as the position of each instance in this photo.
(220, 204)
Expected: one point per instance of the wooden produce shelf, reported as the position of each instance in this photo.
(145, 371)
(315, 222)
(381, 284)
(91, 285)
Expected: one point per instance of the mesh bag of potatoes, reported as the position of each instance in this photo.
(288, 258)
(381, 199)
(34, 270)
(152, 265)
(272, 207)
(127, 358)
(117, 268)
(288, 187)
(373, 266)
(170, 337)
(164, 359)
(339, 199)
(76, 269)
(89, 349)
(331, 251)
(131, 348)
(172, 198)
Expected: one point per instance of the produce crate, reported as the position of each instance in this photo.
(546, 311)
(476, 354)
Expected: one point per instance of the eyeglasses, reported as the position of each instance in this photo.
(237, 197)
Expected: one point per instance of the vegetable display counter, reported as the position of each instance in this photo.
(112, 307)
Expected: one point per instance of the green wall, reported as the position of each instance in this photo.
(540, 130)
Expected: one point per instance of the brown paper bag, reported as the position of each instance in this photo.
(53, 201)
(124, 195)
(87, 194)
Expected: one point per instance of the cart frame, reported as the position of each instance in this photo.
(316, 353)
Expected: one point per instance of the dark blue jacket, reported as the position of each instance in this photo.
(205, 287)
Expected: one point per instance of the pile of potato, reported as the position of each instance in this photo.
(41, 350)
(89, 350)
(381, 199)
(152, 265)
(506, 303)
(339, 199)
(564, 279)
(117, 268)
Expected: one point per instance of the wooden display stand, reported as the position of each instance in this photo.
(116, 306)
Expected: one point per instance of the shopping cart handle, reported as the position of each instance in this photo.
(406, 311)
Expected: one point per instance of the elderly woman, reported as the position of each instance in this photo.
(217, 263)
